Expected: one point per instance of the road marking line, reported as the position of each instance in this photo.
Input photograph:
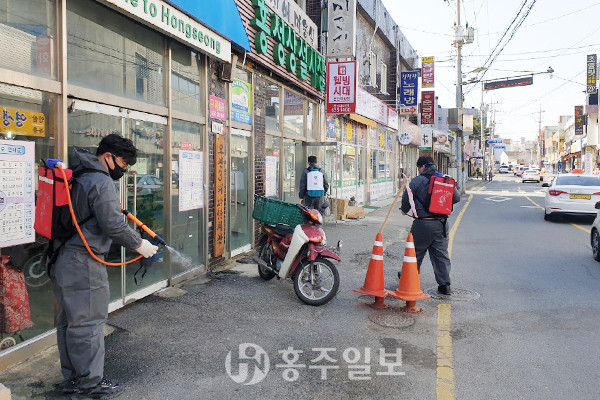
(455, 226)
(534, 203)
(445, 373)
(581, 227)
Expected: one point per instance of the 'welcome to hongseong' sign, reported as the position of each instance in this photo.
(169, 20)
(290, 49)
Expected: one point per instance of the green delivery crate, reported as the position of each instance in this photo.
(273, 211)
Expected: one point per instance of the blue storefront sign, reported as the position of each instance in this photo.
(409, 82)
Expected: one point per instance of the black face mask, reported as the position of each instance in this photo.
(116, 173)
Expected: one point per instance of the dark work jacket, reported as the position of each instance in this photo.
(94, 193)
(419, 186)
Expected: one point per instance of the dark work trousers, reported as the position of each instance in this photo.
(81, 291)
(432, 236)
(313, 202)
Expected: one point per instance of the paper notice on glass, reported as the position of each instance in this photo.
(17, 192)
(191, 180)
(271, 176)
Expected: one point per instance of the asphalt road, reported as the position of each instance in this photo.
(532, 333)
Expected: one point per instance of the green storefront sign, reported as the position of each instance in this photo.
(290, 49)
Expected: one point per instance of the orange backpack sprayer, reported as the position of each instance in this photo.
(54, 213)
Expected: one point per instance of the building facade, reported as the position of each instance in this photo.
(152, 72)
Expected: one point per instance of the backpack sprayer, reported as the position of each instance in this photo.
(51, 214)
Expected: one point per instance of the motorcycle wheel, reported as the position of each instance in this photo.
(327, 282)
(265, 253)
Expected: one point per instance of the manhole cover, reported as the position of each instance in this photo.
(391, 320)
(457, 294)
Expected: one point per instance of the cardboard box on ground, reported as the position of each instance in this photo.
(344, 211)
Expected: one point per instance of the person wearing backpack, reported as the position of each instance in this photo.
(430, 230)
(313, 186)
(80, 283)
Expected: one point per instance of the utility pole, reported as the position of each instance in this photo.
(459, 103)
(539, 141)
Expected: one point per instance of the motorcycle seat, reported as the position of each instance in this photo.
(283, 230)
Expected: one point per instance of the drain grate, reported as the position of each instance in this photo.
(391, 320)
(457, 294)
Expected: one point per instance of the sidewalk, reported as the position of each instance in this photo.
(173, 344)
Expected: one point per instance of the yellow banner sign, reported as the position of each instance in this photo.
(21, 122)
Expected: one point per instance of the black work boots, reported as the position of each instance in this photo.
(104, 390)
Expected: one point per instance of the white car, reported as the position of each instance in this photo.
(574, 194)
(503, 169)
(595, 236)
(530, 175)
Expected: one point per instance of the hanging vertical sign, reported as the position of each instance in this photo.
(341, 87)
(341, 20)
(427, 72)
(579, 120)
(219, 197)
(409, 87)
(592, 72)
(427, 107)
(17, 192)
(426, 139)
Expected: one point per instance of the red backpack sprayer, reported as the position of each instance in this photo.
(55, 217)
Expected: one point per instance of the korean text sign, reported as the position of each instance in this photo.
(409, 88)
(241, 101)
(427, 72)
(341, 40)
(191, 180)
(591, 73)
(427, 107)
(579, 120)
(23, 122)
(341, 87)
(17, 192)
(217, 108)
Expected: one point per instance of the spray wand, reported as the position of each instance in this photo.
(144, 227)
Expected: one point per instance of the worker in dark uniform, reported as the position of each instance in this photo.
(313, 186)
(80, 283)
(430, 231)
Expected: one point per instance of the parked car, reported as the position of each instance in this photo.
(595, 235)
(503, 169)
(573, 194)
(531, 175)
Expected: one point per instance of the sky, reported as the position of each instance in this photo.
(555, 34)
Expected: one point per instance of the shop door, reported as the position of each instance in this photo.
(141, 190)
(239, 205)
(144, 193)
(290, 186)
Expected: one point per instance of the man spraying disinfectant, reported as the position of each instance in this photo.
(79, 278)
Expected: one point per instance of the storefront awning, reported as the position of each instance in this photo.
(363, 120)
(223, 16)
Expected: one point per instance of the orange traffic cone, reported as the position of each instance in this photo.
(374, 284)
(409, 288)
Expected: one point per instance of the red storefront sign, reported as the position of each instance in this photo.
(427, 107)
(341, 87)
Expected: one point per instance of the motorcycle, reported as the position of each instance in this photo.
(301, 254)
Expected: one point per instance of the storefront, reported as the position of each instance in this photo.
(81, 70)
(286, 73)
